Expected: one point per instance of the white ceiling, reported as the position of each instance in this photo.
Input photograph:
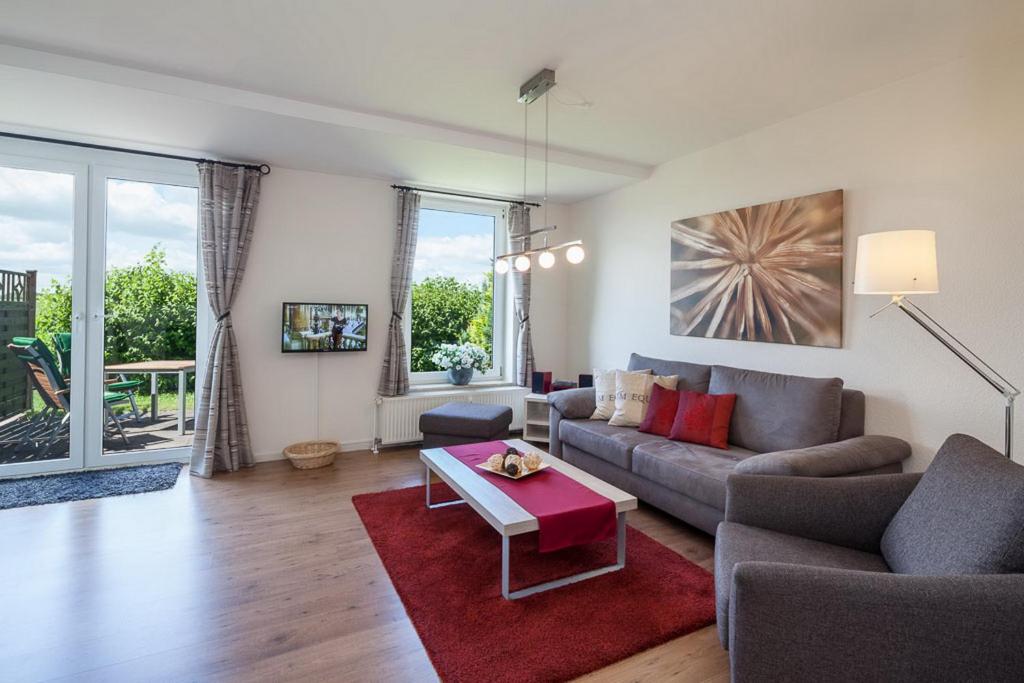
(426, 91)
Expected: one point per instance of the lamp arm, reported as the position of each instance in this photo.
(1007, 389)
(969, 358)
(959, 349)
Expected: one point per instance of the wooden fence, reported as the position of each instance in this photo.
(17, 319)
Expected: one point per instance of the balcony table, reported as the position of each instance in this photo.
(181, 368)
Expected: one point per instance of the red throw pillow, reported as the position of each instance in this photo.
(661, 411)
(703, 418)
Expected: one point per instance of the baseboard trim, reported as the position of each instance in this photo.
(344, 447)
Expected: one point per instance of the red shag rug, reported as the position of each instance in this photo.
(446, 566)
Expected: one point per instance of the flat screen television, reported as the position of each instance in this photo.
(313, 328)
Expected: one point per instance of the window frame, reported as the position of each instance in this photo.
(500, 307)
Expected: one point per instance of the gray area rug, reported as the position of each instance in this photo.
(60, 488)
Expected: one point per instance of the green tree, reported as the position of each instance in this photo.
(481, 327)
(53, 309)
(150, 312)
(446, 311)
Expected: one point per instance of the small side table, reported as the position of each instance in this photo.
(535, 426)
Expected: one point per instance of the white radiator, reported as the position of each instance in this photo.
(397, 419)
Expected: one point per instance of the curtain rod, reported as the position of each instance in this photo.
(264, 169)
(467, 196)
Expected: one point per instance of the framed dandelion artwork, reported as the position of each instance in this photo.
(771, 273)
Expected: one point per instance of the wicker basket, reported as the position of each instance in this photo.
(308, 455)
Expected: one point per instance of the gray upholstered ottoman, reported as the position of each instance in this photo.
(457, 423)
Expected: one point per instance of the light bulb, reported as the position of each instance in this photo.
(575, 254)
(522, 263)
(546, 259)
(501, 266)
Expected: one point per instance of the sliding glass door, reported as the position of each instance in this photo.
(101, 306)
(42, 281)
(144, 297)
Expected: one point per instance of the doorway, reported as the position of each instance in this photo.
(101, 307)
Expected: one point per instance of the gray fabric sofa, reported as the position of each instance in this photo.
(781, 425)
(894, 578)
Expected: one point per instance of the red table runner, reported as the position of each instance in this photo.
(568, 512)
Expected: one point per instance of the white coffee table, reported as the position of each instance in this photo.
(509, 519)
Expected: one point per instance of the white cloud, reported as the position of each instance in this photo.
(158, 212)
(36, 195)
(36, 213)
(36, 223)
(465, 257)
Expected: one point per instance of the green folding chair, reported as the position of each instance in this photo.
(56, 394)
(62, 342)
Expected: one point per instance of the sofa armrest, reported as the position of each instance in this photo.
(574, 404)
(568, 404)
(799, 623)
(848, 511)
(848, 456)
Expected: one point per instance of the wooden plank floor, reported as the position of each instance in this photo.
(266, 574)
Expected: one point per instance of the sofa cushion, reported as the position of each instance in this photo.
(851, 422)
(604, 441)
(604, 393)
(703, 418)
(661, 411)
(966, 516)
(779, 412)
(633, 393)
(466, 419)
(694, 470)
(692, 376)
(735, 543)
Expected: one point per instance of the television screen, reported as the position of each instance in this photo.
(323, 327)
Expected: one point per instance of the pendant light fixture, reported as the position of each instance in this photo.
(529, 92)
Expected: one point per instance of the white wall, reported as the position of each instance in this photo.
(943, 149)
(321, 237)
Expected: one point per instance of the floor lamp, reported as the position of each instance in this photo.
(903, 262)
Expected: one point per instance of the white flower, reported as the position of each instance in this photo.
(461, 357)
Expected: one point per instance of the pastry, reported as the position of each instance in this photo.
(531, 461)
(496, 462)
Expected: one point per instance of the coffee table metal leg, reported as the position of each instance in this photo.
(620, 540)
(437, 505)
(620, 562)
(504, 567)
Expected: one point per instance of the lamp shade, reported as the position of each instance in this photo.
(896, 262)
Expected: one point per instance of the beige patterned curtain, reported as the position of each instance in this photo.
(227, 205)
(518, 226)
(394, 376)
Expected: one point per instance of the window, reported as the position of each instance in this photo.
(455, 297)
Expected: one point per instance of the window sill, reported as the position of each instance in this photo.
(444, 387)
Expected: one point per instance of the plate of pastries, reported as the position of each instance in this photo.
(513, 464)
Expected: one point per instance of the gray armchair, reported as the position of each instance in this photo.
(888, 578)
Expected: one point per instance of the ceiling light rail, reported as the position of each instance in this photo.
(538, 86)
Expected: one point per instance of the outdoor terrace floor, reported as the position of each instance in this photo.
(142, 436)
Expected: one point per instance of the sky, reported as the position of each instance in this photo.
(36, 228)
(36, 216)
(457, 244)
